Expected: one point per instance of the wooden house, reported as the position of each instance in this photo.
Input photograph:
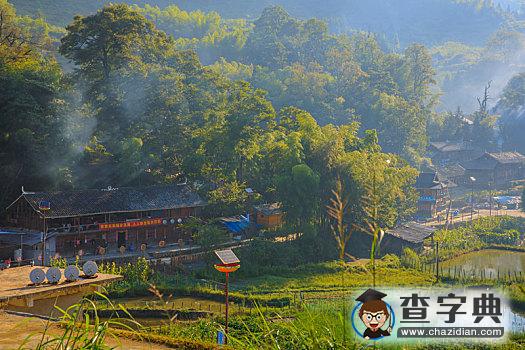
(102, 221)
(409, 235)
(452, 175)
(432, 194)
(269, 215)
(495, 169)
(444, 153)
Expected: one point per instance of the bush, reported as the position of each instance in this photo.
(410, 259)
(137, 278)
(390, 260)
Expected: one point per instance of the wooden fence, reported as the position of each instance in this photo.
(480, 275)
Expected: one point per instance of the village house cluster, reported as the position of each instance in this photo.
(112, 222)
(459, 167)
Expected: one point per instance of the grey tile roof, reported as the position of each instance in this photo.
(449, 172)
(427, 180)
(491, 160)
(508, 157)
(411, 232)
(451, 146)
(114, 200)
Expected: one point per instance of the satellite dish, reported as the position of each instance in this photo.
(90, 268)
(71, 273)
(37, 276)
(53, 275)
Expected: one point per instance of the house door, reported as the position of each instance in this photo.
(121, 239)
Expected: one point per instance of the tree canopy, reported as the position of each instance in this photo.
(138, 109)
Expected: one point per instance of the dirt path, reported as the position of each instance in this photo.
(15, 330)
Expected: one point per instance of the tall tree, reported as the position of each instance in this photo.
(33, 143)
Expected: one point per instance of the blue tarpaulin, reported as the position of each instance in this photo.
(236, 224)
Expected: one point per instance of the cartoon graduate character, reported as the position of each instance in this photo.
(374, 314)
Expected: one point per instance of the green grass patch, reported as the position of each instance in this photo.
(337, 276)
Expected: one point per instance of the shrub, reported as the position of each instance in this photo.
(137, 277)
(390, 260)
(410, 259)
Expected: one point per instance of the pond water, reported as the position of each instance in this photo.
(489, 261)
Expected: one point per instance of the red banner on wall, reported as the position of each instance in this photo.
(129, 224)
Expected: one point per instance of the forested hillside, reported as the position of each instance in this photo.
(139, 110)
(402, 22)
(198, 94)
(338, 79)
(464, 70)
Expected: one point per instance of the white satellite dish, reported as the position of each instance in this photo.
(53, 275)
(90, 268)
(71, 273)
(37, 276)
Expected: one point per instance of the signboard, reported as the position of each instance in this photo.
(129, 224)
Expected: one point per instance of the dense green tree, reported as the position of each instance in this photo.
(299, 192)
(31, 126)
(401, 127)
(113, 51)
(419, 74)
(208, 33)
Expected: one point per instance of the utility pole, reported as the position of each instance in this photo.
(490, 199)
(44, 242)
(437, 261)
(472, 180)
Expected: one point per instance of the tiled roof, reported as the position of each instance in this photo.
(453, 170)
(507, 157)
(113, 200)
(427, 180)
(412, 232)
(490, 160)
(451, 146)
